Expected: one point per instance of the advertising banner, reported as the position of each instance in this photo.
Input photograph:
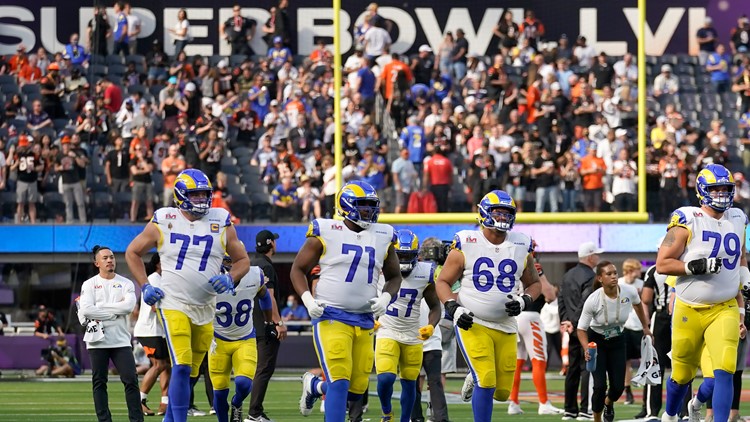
(609, 25)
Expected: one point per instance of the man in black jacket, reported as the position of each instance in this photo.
(268, 347)
(574, 282)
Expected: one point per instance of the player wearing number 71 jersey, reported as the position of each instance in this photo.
(705, 248)
(398, 348)
(191, 239)
(234, 345)
(489, 263)
(351, 254)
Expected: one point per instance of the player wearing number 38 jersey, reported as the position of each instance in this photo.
(351, 254)
(191, 239)
(705, 248)
(489, 263)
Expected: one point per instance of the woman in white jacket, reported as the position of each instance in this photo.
(105, 303)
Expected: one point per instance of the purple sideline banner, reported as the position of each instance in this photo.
(609, 25)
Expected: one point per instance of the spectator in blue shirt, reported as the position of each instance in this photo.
(413, 138)
(285, 201)
(279, 54)
(371, 169)
(365, 85)
(121, 30)
(294, 312)
(718, 64)
(707, 37)
(441, 85)
(76, 51)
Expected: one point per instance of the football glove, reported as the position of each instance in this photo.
(426, 332)
(379, 304)
(151, 294)
(516, 304)
(462, 317)
(703, 266)
(314, 308)
(222, 283)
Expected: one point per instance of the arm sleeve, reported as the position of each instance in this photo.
(125, 306)
(88, 308)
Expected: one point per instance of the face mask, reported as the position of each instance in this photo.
(289, 303)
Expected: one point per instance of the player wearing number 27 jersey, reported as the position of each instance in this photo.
(705, 249)
(234, 346)
(191, 239)
(489, 263)
(351, 254)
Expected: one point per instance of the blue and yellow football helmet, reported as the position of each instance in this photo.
(715, 175)
(190, 181)
(407, 250)
(497, 210)
(358, 202)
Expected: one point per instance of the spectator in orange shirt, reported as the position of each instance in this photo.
(320, 57)
(171, 166)
(17, 62)
(294, 107)
(592, 173)
(30, 72)
(438, 176)
(390, 74)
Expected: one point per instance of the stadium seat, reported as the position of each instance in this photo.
(237, 59)
(261, 205)
(97, 59)
(135, 58)
(137, 88)
(685, 69)
(98, 70)
(230, 169)
(241, 206)
(669, 59)
(102, 206)
(60, 124)
(31, 89)
(117, 68)
(9, 89)
(121, 204)
(53, 205)
(7, 206)
(215, 59)
(7, 79)
(687, 59)
(115, 59)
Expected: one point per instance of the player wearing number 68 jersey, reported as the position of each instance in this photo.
(351, 253)
(234, 345)
(705, 249)
(489, 262)
(398, 347)
(191, 239)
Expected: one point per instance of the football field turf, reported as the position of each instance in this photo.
(71, 401)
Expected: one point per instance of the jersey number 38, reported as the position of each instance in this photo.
(484, 278)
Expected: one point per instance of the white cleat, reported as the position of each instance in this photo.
(694, 413)
(667, 418)
(549, 409)
(467, 390)
(514, 408)
(307, 400)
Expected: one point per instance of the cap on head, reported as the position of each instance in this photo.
(588, 249)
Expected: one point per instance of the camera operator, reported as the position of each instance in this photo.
(105, 303)
(60, 360)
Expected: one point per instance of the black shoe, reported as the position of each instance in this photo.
(629, 399)
(642, 414)
(236, 414)
(609, 413)
(146, 410)
(569, 416)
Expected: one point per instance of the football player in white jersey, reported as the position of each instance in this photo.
(234, 346)
(705, 249)
(351, 253)
(489, 262)
(398, 347)
(191, 239)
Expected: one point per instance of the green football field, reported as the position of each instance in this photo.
(68, 401)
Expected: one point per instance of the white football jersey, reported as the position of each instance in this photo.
(350, 264)
(191, 253)
(234, 313)
(401, 319)
(491, 273)
(709, 238)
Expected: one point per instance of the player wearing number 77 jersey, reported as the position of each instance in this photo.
(489, 263)
(351, 254)
(234, 346)
(398, 347)
(705, 249)
(191, 239)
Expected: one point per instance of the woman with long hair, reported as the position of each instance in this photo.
(603, 322)
(180, 32)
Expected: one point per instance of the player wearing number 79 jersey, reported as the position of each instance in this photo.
(705, 248)
(351, 254)
(489, 263)
(234, 346)
(191, 239)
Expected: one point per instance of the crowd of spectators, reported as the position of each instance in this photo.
(91, 133)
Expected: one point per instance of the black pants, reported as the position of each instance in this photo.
(432, 367)
(268, 351)
(240, 47)
(576, 375)
(122, 358)
(442, 196)
(663, 344)
(356, 408)
(611, 359)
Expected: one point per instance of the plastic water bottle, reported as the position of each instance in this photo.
(591, 364)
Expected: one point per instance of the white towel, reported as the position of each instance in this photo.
(94, 332)
(648, 373)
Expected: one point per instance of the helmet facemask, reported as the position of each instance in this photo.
(364, 212)
(717, 198)
(499, 218)
(197, 205)
(407, 260)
